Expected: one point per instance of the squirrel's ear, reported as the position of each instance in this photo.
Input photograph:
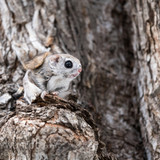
(55, 58)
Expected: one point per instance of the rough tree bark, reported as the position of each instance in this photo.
(56, 130)
(146, 45)
(117, 42)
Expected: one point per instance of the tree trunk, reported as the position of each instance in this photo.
(117, 44)
(58, 130)
(145, 42)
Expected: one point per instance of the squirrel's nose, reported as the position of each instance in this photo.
(80, 68)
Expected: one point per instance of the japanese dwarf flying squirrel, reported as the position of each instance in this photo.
(53, 75)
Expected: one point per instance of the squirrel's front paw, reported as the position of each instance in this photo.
(55, 93)
(43, 94)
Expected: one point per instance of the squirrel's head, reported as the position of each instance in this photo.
(65, 65)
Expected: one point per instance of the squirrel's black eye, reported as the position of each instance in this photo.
(68, 64)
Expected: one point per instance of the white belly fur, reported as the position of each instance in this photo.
(58, 82)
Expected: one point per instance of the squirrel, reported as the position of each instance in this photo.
(50, 73)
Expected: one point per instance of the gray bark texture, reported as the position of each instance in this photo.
(146, 46)
(117, 42)
(58, 130)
